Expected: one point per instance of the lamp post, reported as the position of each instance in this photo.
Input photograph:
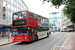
(67, 24)
(8, 34)
(74, 26)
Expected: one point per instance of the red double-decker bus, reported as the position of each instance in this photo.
(28, 26)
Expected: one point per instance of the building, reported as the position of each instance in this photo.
(65, 22)
(55, 21)
(7, 7)
(1, 14)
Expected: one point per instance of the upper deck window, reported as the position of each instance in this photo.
(45, 20)
(30, 15)
(39, 17)
(19, 15)
(34, 16)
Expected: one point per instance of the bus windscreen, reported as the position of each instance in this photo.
(19, 15)
(21, 30)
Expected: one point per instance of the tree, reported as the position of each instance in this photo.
(69, 9)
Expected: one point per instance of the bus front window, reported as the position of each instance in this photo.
(19, 15)
(15, 16)
(21, 31)
(24, 14)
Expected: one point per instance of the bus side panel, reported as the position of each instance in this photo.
(32, 22)
(42, 34)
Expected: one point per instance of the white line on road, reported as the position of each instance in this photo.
(8, 45)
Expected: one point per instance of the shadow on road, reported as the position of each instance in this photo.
(26, 43)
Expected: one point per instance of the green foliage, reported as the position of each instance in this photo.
(69, 9)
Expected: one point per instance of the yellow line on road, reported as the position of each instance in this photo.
(54, 47)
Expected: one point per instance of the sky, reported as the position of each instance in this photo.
(37, 7)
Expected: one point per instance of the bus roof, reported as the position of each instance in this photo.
(35, 13)
(20, 11)
(31, 12)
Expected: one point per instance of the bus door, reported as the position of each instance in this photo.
(31, 33)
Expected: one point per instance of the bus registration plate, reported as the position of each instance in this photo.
(19, 41)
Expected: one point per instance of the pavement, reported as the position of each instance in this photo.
(69, 43)
(4, 41)
(3, 38)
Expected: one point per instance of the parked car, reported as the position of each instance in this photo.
(61, 30)
(70, 30)
(64, 30)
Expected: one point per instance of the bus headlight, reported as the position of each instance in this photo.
(25, 37)
(13, 38)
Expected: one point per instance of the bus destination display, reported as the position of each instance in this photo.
(20, 22)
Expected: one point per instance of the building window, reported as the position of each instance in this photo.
(4, 4)
(9, 13)
(12, 8)
(15, 3)
(12, 2)
(8, 6)
(9, 1)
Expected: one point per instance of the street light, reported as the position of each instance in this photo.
(74, 26)
(8, 34)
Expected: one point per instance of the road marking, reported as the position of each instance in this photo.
(8, 46)
(54, 47)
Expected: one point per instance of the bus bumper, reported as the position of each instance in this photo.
(27, 40)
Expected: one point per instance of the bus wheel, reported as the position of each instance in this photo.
(47, 34)
(36, 37)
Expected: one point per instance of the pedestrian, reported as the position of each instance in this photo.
(6, 34)
(10, 34)
(0, 35)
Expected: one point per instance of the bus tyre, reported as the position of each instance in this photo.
(36, 37)
(47, 34)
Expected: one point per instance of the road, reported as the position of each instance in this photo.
(43, 44)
